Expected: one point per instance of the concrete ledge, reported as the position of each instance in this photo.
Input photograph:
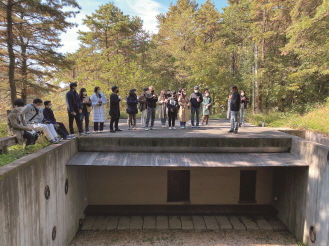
(5, 143)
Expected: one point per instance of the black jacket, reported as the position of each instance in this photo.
(114, 106)
(245, 102)
(172, 104)
(151, 101)
(193, 99)
(132, 102)
(235, 102)
(73, 101)
(48, 115)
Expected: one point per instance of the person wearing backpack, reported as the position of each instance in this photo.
(172, 105)
(132, 110)
(33, 115)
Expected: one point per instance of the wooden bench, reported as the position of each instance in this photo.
(5, 143)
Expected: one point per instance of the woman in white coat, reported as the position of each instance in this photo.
(98, 100)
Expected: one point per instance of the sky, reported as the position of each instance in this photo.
(146, 9)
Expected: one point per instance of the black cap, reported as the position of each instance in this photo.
(73, 84)
(114, 88)
(46, 102)
(132, 91)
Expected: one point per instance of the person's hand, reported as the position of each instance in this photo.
(80, 111)
(56, 125)
(230, 96)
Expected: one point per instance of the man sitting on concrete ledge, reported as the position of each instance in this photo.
(17, 126)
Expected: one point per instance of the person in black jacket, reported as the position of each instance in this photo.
(235, 107)
(151, 100)
(196, 99)
(132, 109)
(49, 116)
(74, 108)
(115, 109)
(172, 105)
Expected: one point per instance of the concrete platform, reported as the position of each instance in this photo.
(185, 159)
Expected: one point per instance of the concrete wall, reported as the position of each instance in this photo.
(26, 217)
(148, 185)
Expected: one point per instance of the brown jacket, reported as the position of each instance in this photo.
(16, 125)
(142, 100)
(183, 112)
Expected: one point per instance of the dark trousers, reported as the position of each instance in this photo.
(77, 120)
(171, 118)
(116, 121)
(85, 115)
(30, 138)
(101, 126)
(61, 130)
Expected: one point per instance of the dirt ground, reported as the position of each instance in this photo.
(178, 238)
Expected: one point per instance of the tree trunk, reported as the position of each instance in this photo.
(24, 74)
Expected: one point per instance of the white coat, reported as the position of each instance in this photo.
(98, 111)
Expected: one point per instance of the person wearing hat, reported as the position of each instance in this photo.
(132, 109)
(115, 109)
(74, 108)
(48, 115)
(195, 101)
(143, 106)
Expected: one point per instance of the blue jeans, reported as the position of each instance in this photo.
(197, 112)
(242, 113)
(234, 121)
(164, 120)
(86, 116)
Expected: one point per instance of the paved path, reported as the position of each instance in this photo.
(164, 222)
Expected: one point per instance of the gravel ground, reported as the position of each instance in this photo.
(188, 238)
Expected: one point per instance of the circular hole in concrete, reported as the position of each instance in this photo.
(47, 192)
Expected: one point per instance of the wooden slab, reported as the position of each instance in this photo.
(211, 222)
(162, 223)
(136, 223)
(236, 223)
(112, 223)
(277, 224)
(187, 222)
(124, 223)
(88, 223)
(149, 223)
(263, 224)
(175, 223)
(249, 223)
(224, 223)
(100, 223)
(199, 223)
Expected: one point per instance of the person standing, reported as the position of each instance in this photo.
(206, 107)
(162, 109)
(98, 100)
(86, 108)
(183, 111)
(195, 101)
(48, 115)
(151, 99)
(17, 126)
(132, 109)
(33, 115)
(243, 107)
(115, 110)
(74, 108)
(143, 106)
(172, 105)
(235, 107)
(228, 114)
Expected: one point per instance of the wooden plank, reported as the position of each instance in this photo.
(100, 223)
(88, 223)
(277, 224)
(236, 223)
(224, 223)
(199, 223)
(124, 223)
(187, 222)
(263, 224)
(249, 223)
(175, 223)
(149, 223)
(211, 222)
(136, 223)
(162, 223)
(113, 223)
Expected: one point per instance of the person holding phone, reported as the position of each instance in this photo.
(98, 100)
(172, 105)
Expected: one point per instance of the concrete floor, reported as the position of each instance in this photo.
(194, 222)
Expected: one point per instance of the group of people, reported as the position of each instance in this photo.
(26, 122)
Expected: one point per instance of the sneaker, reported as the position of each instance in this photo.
(182, 127)
(82, 134)
(235, 132)
(72, 136)
(118, 130)
(129, 128)
(146, 129)
(163, 126)
(112, 131)
(135, 128)
(59, 139)
(54, 141)
(153, 128)
(68, 137)
(169, 128)
(174, 128)
(192, 126)
(202, 124)
(87, 132)
(230, 131)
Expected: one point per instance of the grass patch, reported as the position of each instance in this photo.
(18, 151)
(3, 130)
